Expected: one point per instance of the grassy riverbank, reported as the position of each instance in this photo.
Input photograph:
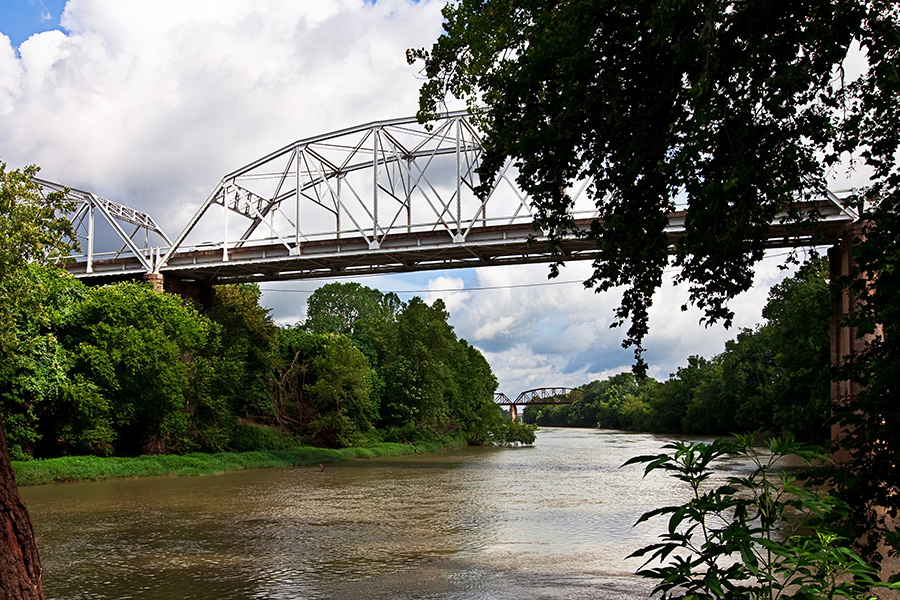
(93, 468)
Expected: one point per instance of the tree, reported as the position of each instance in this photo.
(417, 371)
(798, 312)
(341, 307)
(138, 347)
(47, 411)
(345, 408)
(31, 230)
(736, 107)
(246, 338)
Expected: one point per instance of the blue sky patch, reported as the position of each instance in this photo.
(20, 19)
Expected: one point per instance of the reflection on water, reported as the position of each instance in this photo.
(552, 521)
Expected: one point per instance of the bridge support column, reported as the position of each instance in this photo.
(513, 414)
(156, 280)
(844, 339)
(199, 291)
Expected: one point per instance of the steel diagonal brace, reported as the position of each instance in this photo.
(94, 200)
(176, 245)
(340, 203)
(417, 186)
(269, 225)
(274, 201)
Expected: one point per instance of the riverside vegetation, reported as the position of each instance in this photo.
(773, 378)
(124, 370)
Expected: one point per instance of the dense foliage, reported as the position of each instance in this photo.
(734, 107)
(31, 231)
(126, 370)
(772, 378)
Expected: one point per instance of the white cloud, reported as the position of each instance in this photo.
(10, 78)
(454, 301)
(150, 104)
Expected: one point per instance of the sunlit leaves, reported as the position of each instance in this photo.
(756, 536)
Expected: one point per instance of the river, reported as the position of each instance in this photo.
(549, 521)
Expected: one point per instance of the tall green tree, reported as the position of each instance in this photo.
(138, 346)
(798, 312)
(342, 307)
(31, 230)
(47, 410)
(244, 344)
(346, 411)
(416, 369)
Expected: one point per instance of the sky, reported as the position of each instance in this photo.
(151, 103)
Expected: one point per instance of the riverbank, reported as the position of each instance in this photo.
(95, 468)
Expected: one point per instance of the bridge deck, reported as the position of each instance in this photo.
(403, 252)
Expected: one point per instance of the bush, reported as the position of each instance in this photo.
(248, 437)
(757, 536)
(513, 433)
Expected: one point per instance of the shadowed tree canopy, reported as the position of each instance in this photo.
(735, 107)
(30, 231)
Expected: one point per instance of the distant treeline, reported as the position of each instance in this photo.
(774, 378)
(126, 370)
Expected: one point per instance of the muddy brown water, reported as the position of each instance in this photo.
(552, 521)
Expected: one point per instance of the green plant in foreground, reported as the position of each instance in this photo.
(757, 536)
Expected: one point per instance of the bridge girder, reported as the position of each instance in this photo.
(385, 197)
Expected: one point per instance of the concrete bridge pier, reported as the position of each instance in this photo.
(199, 291)
(844, 339)
(513, 414)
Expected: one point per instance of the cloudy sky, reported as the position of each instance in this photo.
(151, 103)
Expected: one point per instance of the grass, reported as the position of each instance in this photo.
(94, 468)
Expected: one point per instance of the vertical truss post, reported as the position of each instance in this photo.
(458, 181)
(225, 224)
(90, 241)
(409, 163)
(375, 137)
(297, 208)
(337, 208)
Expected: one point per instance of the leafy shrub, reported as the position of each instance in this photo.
(757, 536)
(248, 437)
(512, 433)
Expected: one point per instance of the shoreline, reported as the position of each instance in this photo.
(72, 469)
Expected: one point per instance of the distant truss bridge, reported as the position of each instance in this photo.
(539, 397)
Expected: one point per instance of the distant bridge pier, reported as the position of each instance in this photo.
(513, 413)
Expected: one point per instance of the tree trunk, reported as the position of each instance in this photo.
(20, 566)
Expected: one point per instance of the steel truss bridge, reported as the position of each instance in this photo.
(386, 197)
(541, 396)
